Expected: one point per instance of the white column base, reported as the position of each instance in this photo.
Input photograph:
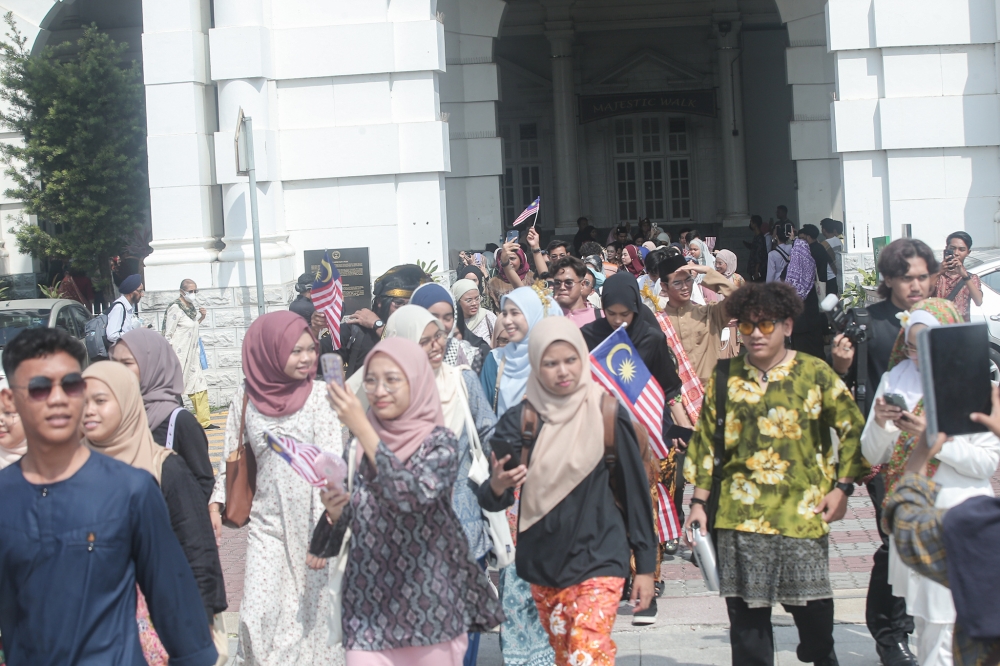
(736, 220)
(235, 267)
(180, 259)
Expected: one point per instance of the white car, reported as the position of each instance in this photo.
(986, 264)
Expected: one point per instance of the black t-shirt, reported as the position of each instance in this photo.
(883, 330)
(585, 535)
(191, 444)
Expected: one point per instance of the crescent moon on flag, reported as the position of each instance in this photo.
(620, 345)
(324, 271)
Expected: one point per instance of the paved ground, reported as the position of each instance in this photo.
(692, 626)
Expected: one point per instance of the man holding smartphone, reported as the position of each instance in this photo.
(908, 268)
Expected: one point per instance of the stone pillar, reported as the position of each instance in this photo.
(242, 65)
(734, 163)
(567, 179)
(180, 120)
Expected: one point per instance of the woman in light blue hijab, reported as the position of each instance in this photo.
(505, 372)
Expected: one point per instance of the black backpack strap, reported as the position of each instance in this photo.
(957, 288)
(719, 437)
(718, 442)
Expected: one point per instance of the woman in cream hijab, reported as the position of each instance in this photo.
(466, 412)
(114, 423)
(573, 541)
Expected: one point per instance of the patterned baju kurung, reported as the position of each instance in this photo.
(286, 605)
(411, 581)
(779, 466)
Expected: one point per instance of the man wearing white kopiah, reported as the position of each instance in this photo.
(181, 329)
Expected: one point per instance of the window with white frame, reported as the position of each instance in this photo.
(521, 182)
(652, 168)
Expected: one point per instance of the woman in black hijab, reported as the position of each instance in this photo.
(621, 294)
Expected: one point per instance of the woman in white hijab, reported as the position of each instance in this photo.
(467, 413)
(478, 319)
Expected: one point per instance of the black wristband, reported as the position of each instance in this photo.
(695, 500)
(536, 251)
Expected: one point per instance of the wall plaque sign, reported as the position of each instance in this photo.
(698, 102)
(352, 262)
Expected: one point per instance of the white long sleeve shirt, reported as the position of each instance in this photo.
(121, 320)
(776, 262)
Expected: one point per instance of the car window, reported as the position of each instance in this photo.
(80, 316)
(992, 280)
(13, 322)
(64, 320)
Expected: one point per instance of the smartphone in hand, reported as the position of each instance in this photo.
(333, 368)
(512, 236)
(503, 447)
(896, 400)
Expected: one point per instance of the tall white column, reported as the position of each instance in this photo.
(180, 112)
(242, 65)
(734, 163)
(567, 180)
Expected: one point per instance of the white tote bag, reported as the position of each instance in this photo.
(497, 527)
(338, 564)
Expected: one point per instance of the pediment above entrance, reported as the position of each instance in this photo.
(648, 70)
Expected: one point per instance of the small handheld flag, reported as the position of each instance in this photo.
(617, 366)
(667, 524)
(301, 456)
(532, 209)
(328, 296)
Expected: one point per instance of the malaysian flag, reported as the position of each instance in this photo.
(667, 524)
(301, 456)
(528, 212)
(328, 296)
(616, 364)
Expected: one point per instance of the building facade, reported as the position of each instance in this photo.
(416, 128)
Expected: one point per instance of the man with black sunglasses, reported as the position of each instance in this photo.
(80, 529)
(567, 289)
(780, 480)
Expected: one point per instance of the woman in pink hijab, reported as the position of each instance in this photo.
(285, 602)
(412, 590)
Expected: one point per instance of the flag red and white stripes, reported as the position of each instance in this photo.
(667, 524)
(532, 209)
(301, 456)
(328, 296)
(647, 409)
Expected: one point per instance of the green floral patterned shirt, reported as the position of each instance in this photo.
(780, 462)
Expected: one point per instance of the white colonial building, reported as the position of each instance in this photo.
(416, 128)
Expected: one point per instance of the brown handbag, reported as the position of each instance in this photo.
(241, 478)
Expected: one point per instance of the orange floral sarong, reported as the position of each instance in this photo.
(579, 620)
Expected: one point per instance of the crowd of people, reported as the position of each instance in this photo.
(478, 446)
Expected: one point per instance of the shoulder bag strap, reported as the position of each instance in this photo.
(170, 427)
(957, 288)
(496, 387)
(529, 431)
(609, 413)
(243, 424)
(719, 437)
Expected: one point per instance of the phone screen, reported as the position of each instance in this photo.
(333, 368)
(958, 358)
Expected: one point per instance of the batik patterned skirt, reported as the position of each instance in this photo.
(579, 620)
(765, 569)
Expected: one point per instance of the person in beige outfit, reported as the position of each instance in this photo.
(181, 329)
(698, 326)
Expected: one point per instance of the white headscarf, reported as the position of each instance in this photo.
(410, 322)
